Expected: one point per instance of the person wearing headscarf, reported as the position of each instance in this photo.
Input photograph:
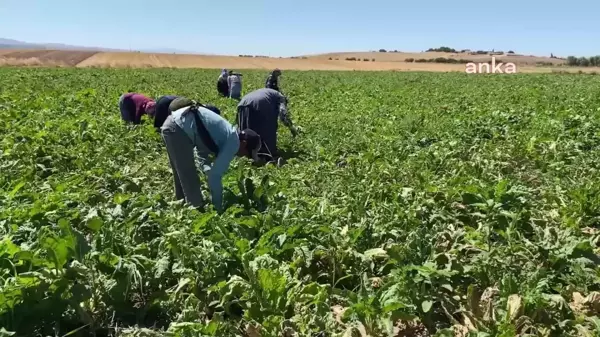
(260, 111)
(133, 106)
(273, 80)
(235, 85)
(222, 83)
(192, 126)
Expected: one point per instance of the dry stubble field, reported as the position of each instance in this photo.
(383, 61)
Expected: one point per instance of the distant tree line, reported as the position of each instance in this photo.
(593, 61)
(438, 60)
(442, 50)
(262, 56)
(452, 50)
(478, 52)
(357, 59)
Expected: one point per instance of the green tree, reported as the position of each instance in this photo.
(572, 61)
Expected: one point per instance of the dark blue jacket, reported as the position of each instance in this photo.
(162, 110)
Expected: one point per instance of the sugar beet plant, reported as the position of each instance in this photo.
(414, 204)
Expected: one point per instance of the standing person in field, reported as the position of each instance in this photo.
(133, 106)
(192, 126)
(223, 84)
(163, 111)
(235, 85)
(273, 80)
(260, 111)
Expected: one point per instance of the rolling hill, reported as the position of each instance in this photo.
(19, 53)
(18, 45)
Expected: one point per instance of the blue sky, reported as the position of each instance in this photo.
(288, 28)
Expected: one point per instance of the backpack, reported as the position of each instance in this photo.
(181, 102)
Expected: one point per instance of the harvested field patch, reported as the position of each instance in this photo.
(383, 61)
(46, 57)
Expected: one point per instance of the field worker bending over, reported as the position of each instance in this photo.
(259, 111)
(163, 111)
(234, 81)
(273, 80)
(133, 106)
(222, 83)
(192, 126)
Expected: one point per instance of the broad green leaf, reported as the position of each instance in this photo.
(426, 306)
(120, 198)
(95, 224)
(376, 253)
(16, 189)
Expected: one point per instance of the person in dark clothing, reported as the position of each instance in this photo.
(222, 84)
(273, 80)
(163, 109)
(260, 111)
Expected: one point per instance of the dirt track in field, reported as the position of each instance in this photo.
(389, 61)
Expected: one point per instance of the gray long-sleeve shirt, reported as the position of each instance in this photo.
(266, 99)
(234, 81)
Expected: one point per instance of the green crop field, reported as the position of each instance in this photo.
(413, 204)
